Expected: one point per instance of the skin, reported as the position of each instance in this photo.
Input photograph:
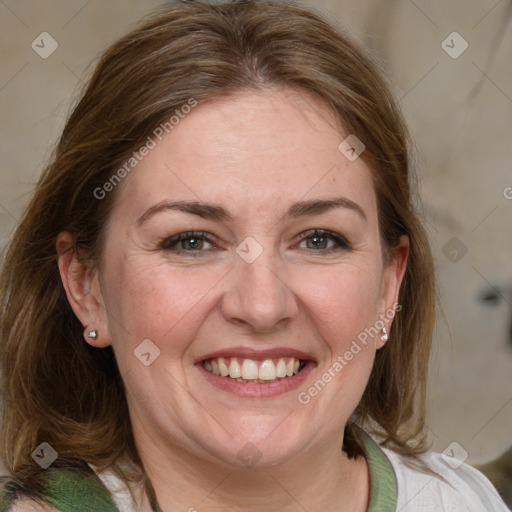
(255, 153)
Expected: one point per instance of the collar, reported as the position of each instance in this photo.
(383, 482)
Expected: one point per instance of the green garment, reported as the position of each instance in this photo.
(69, 492)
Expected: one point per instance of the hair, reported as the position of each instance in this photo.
(57, 388)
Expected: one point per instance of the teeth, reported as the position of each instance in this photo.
(289, 368)
(267, 370)
(249, 369)
(224, 371)
(234, 369)
(215, 368)
(253, 371)
(281, 369)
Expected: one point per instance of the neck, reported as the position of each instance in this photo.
(321, 479)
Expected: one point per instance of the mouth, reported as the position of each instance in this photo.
(254, 371)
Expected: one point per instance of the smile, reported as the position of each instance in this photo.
(254, 371)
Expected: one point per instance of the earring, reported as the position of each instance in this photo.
(92, 334)
(384, 336)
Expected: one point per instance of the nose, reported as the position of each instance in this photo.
(258, 297)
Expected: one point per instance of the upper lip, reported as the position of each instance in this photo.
(256, 354)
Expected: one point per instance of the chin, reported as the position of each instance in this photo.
(250, 452)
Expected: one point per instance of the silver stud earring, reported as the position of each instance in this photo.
(92, 334)
(384, 336)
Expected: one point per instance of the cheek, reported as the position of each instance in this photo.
(345, 312)
(154, 301)
(345, 303)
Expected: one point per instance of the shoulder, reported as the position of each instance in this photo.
(58, 488)
(28, 505)
(129, 498)
(463, 485)
(15, 497)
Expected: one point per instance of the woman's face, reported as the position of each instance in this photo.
(250, 282)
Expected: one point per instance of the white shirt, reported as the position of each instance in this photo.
(471, 491)
(467, 489)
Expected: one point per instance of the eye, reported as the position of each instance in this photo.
(320, 238)
(317, 240)
(190, 241)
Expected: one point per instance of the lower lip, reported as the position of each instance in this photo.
(257, 390)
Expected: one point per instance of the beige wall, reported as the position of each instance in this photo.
(460, 112)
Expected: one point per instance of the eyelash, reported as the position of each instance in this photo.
(342, 244)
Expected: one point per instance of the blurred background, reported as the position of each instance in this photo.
(449, 63)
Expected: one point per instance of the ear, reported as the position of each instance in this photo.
(392, 277)
(83, 290)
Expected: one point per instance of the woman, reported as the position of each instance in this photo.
(220, 296)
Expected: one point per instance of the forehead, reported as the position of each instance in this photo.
(253, 148)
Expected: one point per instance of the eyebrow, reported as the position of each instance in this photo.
(219, 213)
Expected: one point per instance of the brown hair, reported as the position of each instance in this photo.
(57, 388)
